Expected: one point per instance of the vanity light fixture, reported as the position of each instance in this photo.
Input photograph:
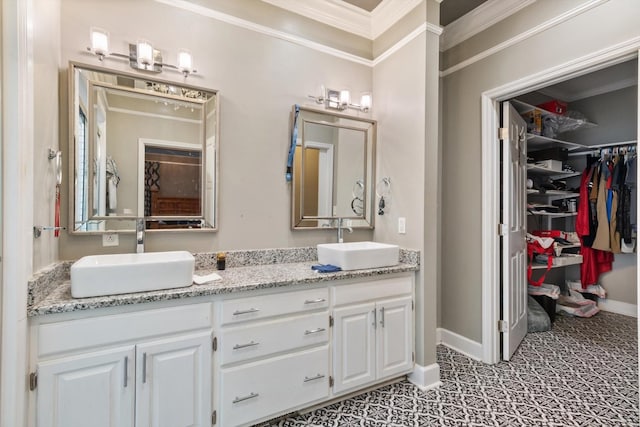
(142, 55)
(341, 100)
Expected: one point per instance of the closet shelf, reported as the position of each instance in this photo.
(539, 142)
(553, 215)
(553, 174)
(553, 194)
(560, 261)
(523, 107)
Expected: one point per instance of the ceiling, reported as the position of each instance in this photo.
(367, 5)
(450, 10)
(606, 80)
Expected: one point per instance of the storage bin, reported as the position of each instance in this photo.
(555, 106)
(548, 304)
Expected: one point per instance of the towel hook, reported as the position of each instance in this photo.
(383, 189)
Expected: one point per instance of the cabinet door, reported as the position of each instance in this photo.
(93, 389)
(354, 346)
(173, 382)
(394, 339)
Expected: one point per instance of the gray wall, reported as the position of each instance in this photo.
(461, 293)
(615, 113)
(46, 58)
(259, 79)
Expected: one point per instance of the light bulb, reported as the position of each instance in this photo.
(99, 42)
(145, 54)
(184, 62)
(345, 98)
(365, 101)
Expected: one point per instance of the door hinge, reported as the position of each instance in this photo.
(503, 326)
(214, 344)
(413, 356)
(503, 133)
(330, 381)
(330, 321)
(413, 305)
(214, 417)
(33, 380)
(502, 229)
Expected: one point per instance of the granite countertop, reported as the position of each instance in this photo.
(50, 291)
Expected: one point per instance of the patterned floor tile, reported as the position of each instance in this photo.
(584, 372)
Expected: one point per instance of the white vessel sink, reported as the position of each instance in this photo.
(358, 255)
(97, 275)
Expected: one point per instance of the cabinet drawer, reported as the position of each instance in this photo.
(367, 291)
(259, 390)
(245, 342)
(242, 309)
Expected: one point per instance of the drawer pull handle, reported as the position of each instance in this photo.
(242, 399)
(314, 331)
(251, 310)
(239, 346)
(314, 301)
(126, 370)
(144, 368)
(317, 377)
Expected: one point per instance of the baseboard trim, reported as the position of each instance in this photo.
(460, 344)
(425, 377)
(618, 307)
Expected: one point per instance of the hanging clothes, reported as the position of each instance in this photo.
(594, 261)
(602, 240)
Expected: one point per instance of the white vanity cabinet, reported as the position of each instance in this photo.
(88, 389)
(145, 368)
(373, 332)
(273, 354)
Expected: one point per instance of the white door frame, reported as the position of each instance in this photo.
(491, 172)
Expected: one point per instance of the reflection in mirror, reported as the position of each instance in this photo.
(171, 185)
(333, 170)
(141, 148)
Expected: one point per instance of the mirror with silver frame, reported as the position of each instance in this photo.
(141, 148)
(333, 170)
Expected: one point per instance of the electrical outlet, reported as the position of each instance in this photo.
(110, 239)
(402, 225)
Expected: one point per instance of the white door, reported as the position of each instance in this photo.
(514, 249)
(173, 382)
(394, 337)
(354, 346)
(95, 389)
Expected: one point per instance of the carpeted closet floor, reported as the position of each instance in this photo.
(584, 372)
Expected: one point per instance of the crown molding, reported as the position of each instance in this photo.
(570, 14)
(400, 44)
(347, 17)
(335, 13)
(387, 13)
(248, 25)
(479, 19)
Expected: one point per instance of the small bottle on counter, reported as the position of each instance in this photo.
(220, 260)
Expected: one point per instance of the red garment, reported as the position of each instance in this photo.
(582, 220)
(594, 261)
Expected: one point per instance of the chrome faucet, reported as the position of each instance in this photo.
(341, 228)
(139, 235)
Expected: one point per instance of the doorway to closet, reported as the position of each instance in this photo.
(604, 86)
